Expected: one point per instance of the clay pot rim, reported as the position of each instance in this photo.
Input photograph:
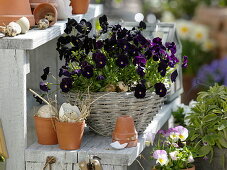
(40, 7)
(57, 120)
(44, 118)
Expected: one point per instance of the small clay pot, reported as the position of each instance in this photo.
(11, 10)
(43, 9)
(70, 134)
(45, 131)
(80, 6)
(125, 131)
(35, 3)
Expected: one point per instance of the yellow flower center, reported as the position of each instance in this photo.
(199, 35)
(65, 86)
(161, 160)
(181, 136)
(122, 62)
(184, 29)
(100, 62)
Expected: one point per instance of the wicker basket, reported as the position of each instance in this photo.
(107, 108)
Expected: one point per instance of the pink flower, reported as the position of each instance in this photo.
(161, 156)
(183, 132)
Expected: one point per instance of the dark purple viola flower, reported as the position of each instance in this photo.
(103, 23)
(174, 76)
(116, 27)
(185, 62)
(122, 33)
(46, 71)
(141, 39)
(171, 46)
(87, 71)
(140, 60)
(77, 72)
(99, 44)
(100, 59)
(155, 57)
(157, 40)
(160, 89)
(84, 27)
(162, 66)
(76, 42)
(148, 53)
(122, 61)
(64, 72)
(142, 25)
(140, 71)
(39, 100)
(66, 84)
(100, 77)
(43, 86)
(140, 91)
(69, 25)
(173, 60)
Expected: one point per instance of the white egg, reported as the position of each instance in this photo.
(117, 145)
(15, 27)
(68, 112)
(24, 24)
(47, 111)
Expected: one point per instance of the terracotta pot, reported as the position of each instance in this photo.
(125, 131)
(42, 9)
(70, 134)
(11, 10)
(35, 3)
(80, 6)
(45, 130)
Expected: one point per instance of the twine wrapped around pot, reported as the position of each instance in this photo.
(109, 105)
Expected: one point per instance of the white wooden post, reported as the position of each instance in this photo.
(13, 109)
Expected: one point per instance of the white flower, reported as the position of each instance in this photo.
(161, 157)
(182, 132)
(184, 28)
(174, 136)
(149, 138)
(208, 45)
(173, 155)
(190, 159)
(199, 34)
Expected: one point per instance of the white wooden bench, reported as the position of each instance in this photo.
(95, 145)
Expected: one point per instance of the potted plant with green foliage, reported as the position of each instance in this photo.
(208, 128)
(171, 151)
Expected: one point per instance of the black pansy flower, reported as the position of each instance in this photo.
(64, 72)
(43, 86)
(76, 42)
(69, 25)
(122, 61)
(87, 71)
(103, 23)
(140, 71)
(99, 44)
(140, 91)
(64, 40)
(142, 25)
(100, 59)
(185, 62)
(174, 76)
(66, 84)
(171, 46)
(160, 89)
(122, 33)
(38, 99)
(116, 27)
(162, 66)
(46, 71)
(84, 27)
(140, 60)
(100, 77)
(141, 39)
(148, 53)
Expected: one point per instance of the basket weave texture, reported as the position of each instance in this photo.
(107, 108)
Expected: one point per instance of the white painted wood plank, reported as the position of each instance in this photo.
(34, 166)
(55, 166)
(76, 167)
(111, 167)
(35, 38)
(13, 105)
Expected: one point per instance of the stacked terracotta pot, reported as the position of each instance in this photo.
(125, 131)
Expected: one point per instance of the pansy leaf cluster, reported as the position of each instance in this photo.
(114, 54)
(171, 151)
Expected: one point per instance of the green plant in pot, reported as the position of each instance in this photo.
(208, 127)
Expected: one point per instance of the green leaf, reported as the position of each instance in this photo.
(222, 125)
(204, 150)
(194, 137)
(209, 117)
(222, 141)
